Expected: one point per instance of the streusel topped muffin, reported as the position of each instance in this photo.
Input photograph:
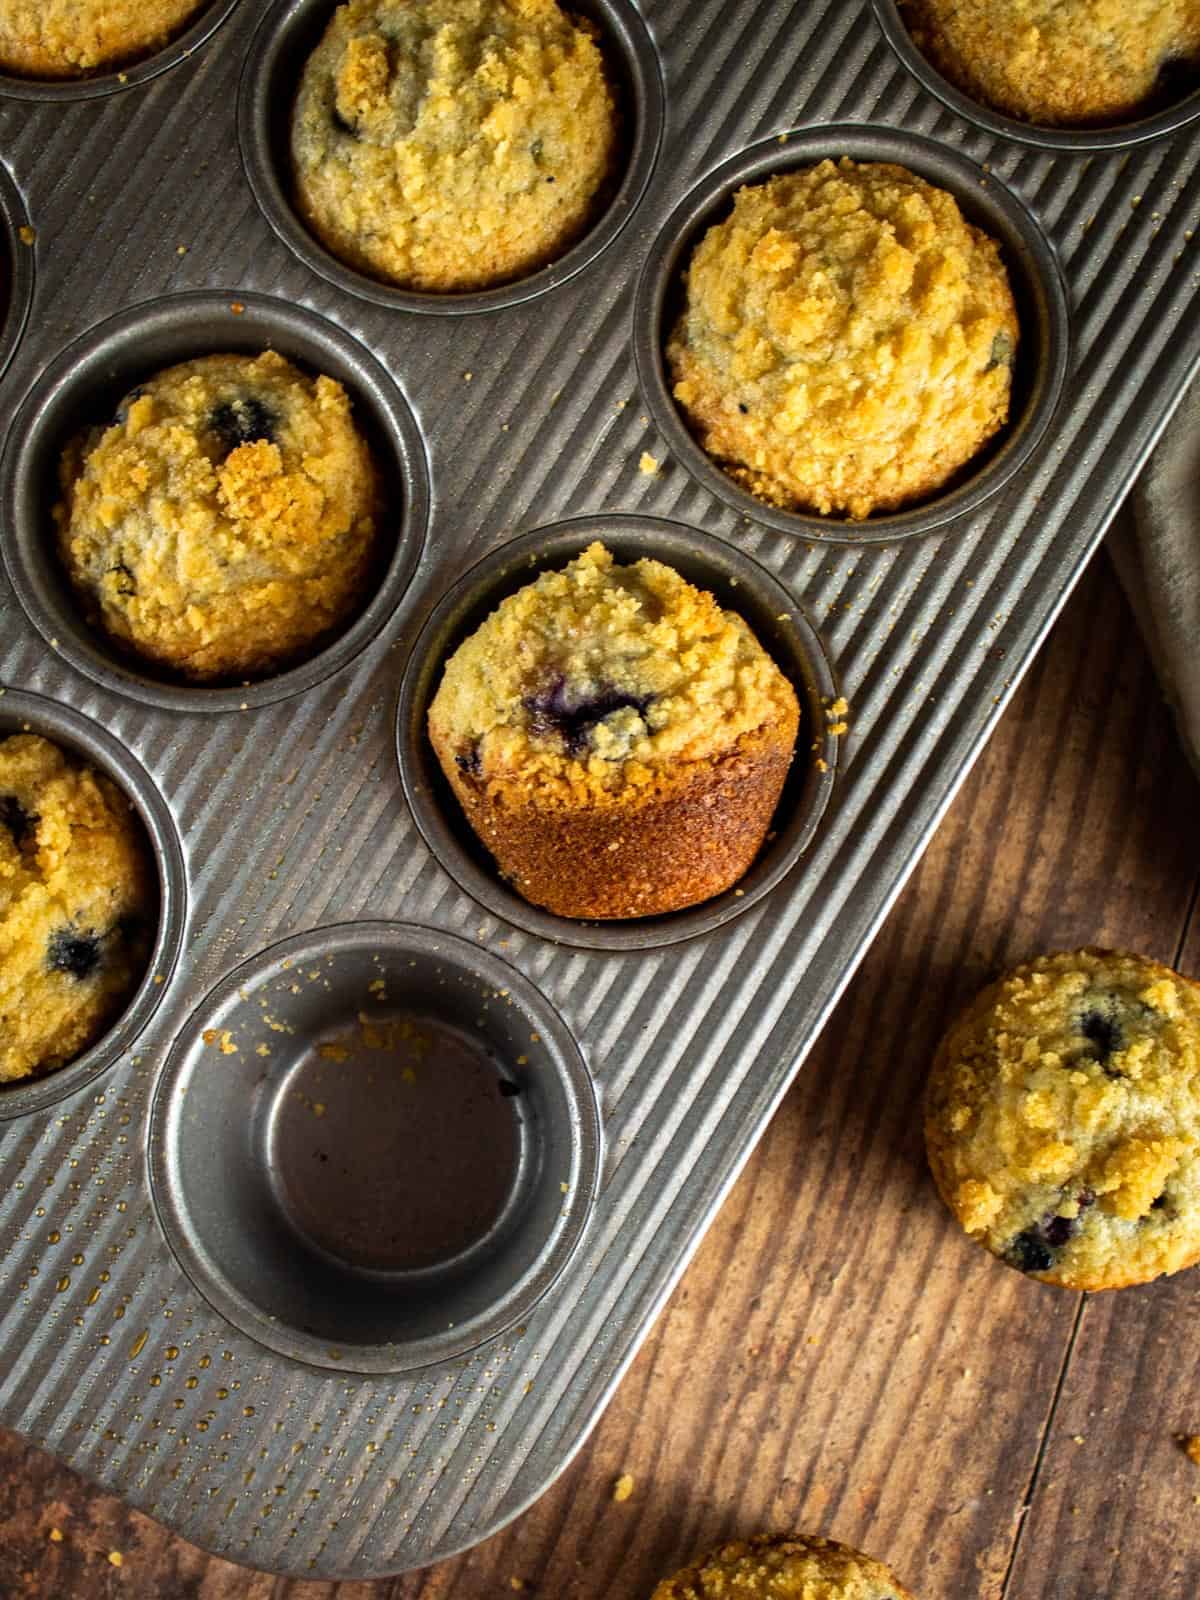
(452, 144)
(223, 523)
(1063, 1119)
(847, 339)
(1062, 62)
(77, 904)
(70, 38)
(774, 1568)
(616, 738)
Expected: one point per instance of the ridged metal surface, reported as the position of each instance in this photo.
(292, 816)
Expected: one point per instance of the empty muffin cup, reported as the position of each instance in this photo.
(739, 585)
(285, 40)
(1175, 104)
(93, 747)
(84, 387)
(374, 1147)
(1039, 368)
(115, 75)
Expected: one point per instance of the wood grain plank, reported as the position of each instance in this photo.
(838, 1357)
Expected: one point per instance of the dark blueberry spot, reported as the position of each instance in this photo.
(16, 819)
(555, 711)
(550, 180)
(508, 1088)
(74, 953)
(238, 422)
(1029, 1252)
(1001, 353)
(1177, 77)
(1103, 1033)
(126, 582)
(1057, 1230)
(470, 761)
(743, 407)
(122, 411)
(1160, 1204)
(342, 125)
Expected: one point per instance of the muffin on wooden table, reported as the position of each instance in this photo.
(776, 1568)
(223, 523)
(616, 739)
(452, 144)
(70, 38)
(847, 339)
(76, 905)
(1063, 1119)
(1062, 62)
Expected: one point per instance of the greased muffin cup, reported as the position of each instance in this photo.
(739, 585)
(283, 44)
(374, 1147)
(180, 34)
(1179, 112)
(81, 388)
(93, 746)
(1042, 351)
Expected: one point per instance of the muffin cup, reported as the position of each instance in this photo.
(373, 1147)
(30, 713)
(1115, 136)
(18, 273)
(1042, 357)
(85, 383)
(113, 79)
(288, 35)
(739, 585)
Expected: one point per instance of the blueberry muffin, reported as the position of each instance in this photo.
(1063, 1119)
(77, 906)
(71, 38)
(452, 144)
(847, 339)
(616, 739)
(223, 523)
(772, 1568)
(1062, 62)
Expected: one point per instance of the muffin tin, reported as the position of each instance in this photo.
(265, 1359)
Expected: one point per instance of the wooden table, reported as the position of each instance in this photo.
(839, 1358)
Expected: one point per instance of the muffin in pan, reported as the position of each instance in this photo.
(451, 145)
(779, 1568)
(1063, 1119)
(615, 738)
(846, 341)
(1062, 63)
(77, 903)
(71, 38)
(223, 523)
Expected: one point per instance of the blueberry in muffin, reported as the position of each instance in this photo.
(452, 144)
(616, 739)
(223, 523)
(77, 905)
(1063, 1119)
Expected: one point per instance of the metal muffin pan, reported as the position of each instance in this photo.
(293, 820)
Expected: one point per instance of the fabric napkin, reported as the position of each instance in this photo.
(1157, 554)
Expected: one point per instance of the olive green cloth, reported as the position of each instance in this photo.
(1157, 554)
